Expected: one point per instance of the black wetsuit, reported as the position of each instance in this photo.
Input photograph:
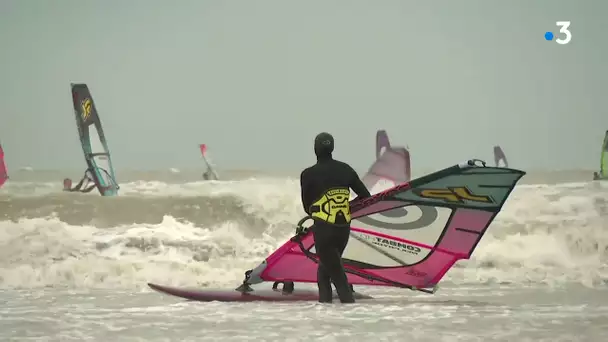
(330, 238)
(87, 177)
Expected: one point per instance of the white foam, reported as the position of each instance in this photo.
(550, 234)
(48, 252)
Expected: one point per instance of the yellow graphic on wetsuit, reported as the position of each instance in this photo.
(333, 207)
(87, 106)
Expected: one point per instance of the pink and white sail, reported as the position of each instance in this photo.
(409, 235)
(392, 164)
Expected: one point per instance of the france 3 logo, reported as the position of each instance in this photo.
(564, 31)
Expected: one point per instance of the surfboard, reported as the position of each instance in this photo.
(499, 155)
(93, 140)
(210, 170)
(3, 170)
(603, 174)
(210, 295)
(408, 236)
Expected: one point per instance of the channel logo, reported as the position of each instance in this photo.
(564, 32)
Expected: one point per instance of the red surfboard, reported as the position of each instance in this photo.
(208, 295)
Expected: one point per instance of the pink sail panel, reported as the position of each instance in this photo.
(500, 155)
(3, 170)
(203, 148)
(433, 265)
(409, 235)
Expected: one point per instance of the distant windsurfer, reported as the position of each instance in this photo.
(207, 175)
(88, 178)
(325, 197)
(596, 176)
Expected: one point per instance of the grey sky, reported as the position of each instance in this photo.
(256, 80)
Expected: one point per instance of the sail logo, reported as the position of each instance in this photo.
(383, 242)
(87, 107)
(453, 194)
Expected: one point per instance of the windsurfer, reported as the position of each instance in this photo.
(67, 183)
(206, 175)
(325, 190)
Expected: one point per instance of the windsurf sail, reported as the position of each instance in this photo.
(500, 155)
(407, 236)
(392, 163)
(3, 170)
(210, 174)
(93, 140)
(604, 158)
(382, 142)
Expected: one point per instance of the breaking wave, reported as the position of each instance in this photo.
(209, 233)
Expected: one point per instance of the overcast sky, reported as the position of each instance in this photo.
(257, 80)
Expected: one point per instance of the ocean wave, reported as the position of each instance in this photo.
(209, 233)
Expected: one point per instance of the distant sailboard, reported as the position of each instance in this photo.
(93, 140)
(499, 155)
(603, 174)
(210, 174)
(408, 236)
(3, 170)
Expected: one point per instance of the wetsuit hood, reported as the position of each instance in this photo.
(324, 145)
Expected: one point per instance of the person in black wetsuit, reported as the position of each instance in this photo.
(67, 183)
(325, 197)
